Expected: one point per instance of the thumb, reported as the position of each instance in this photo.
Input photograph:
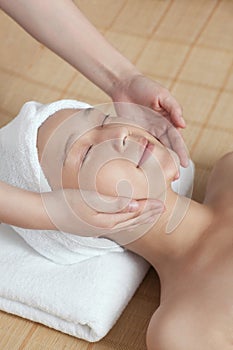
(110, 204)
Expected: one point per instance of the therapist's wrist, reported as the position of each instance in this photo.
(42, 218)
(33, 214)
(121, 84)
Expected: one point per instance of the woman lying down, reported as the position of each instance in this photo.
(190, 244)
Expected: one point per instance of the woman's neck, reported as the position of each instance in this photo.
(186, 221)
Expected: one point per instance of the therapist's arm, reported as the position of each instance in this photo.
(62, 27)
(68, 211)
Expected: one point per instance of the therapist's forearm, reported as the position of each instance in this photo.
(22, 208)
(62, 27)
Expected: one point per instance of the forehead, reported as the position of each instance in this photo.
(80, 122)
(87, 118)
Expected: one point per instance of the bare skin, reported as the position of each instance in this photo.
(196, 310)
(194, 261)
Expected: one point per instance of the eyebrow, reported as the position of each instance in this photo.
(88, 110)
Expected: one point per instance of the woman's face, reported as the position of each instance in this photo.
(110, 156)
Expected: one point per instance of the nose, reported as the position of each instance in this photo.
(120, 139)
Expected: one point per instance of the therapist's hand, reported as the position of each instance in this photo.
(87, 214)
(140, 90)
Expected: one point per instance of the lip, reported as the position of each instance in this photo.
(146, 153)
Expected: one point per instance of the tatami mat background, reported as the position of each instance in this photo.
(185, 45)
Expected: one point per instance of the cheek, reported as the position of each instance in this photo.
(70, 172)
(121, 177)
(167, 163)
(69, 178)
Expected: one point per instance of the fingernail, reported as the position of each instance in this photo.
(152, 219)
(183, 122)
(185, 163)
(161, 209)
(133, 206)
(156, 204)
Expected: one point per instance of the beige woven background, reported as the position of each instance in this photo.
(185, 45)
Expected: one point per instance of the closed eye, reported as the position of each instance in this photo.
(106, 117)
(86, 154)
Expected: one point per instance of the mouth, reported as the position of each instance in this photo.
(146, 153)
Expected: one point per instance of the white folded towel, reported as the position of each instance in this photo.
(19, 166)
(84, 299)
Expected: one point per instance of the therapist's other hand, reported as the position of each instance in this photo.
(140, 90)
(85, 213)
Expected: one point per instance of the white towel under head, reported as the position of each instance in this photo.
(19, 166)
(84, 300)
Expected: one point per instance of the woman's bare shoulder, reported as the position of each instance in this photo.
(171, 328)
(179, 324)
(219, 192)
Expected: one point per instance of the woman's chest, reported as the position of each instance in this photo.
(203, 308)
(204, 301)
